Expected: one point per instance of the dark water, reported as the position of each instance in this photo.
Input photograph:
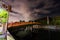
(35, 34)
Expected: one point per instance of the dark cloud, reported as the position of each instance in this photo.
(45, 6)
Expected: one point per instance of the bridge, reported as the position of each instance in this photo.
(21, 24)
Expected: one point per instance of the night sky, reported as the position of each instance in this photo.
(33, 9)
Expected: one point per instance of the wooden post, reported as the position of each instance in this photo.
(47, 20)
(9, 8)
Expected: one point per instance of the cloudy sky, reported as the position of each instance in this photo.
(32, 9)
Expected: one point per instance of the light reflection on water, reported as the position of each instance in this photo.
(47, 26)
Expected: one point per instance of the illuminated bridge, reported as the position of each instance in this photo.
(22, 24)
